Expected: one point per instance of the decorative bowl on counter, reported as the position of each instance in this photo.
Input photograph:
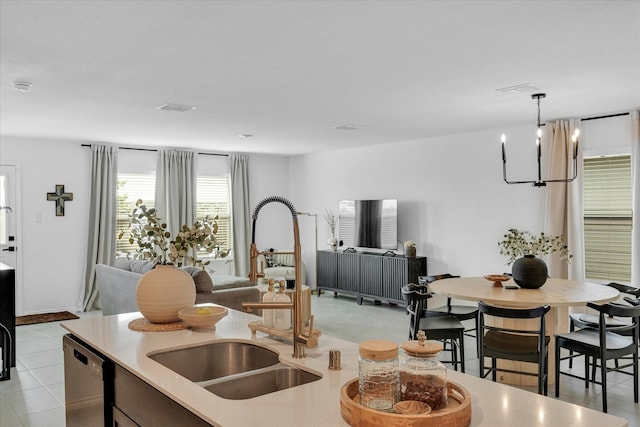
(202, 317)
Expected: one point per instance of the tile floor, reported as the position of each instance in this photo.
(35, 394)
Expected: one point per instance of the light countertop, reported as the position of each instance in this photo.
(313, 404)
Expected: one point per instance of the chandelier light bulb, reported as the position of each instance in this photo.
(539, 133)
(503, 138)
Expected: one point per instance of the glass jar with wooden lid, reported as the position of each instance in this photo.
(422, 376)
(379, 382)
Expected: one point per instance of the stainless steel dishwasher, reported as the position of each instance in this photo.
(88, 385)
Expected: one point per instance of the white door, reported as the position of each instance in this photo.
(8, 215)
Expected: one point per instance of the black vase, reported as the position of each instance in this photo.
(529, 272)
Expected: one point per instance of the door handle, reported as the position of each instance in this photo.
(9, 249)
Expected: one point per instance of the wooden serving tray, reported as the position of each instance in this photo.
(456, 414)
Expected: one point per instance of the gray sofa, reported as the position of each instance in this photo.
(117, 287)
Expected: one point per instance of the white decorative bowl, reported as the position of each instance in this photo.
(202, 322)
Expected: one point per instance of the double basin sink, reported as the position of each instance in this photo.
(234, 369)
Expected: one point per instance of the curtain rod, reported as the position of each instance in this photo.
(604, 117)
(154, 149)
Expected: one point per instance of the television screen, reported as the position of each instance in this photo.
(368, 223)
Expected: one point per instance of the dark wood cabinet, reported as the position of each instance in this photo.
(368, 275)
(8, 305)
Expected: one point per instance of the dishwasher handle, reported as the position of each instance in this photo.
(81, 357)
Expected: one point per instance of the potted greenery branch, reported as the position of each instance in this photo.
(201, 236)
(523, 248)
(154, 242)
(149, 234)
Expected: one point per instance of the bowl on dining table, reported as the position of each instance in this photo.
(497, 279)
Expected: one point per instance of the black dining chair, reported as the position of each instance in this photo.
(601, 344)
(522, 344)
(461, 312)
(586, 320)
(441, 328)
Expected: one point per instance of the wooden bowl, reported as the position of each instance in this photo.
(497, 279)
(202, 322)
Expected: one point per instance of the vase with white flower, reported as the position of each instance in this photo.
(332, 220)
(410, 249)
(523, 249)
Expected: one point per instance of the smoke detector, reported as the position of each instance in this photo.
(347, 127)
(176, 107)
(22, 86)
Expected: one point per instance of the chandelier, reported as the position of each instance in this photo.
(540, 182)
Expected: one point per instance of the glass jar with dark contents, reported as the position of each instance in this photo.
(422, 376)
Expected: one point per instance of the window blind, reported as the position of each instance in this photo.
(213, 199)
(607, 218)
(131, 187)
(212, 193)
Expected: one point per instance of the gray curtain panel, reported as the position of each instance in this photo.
(175, 198)
(240, 212)
(102, 219)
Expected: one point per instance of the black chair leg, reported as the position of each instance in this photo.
(572, 328)
(635, 378)
(546, 374)
(603, 381)
(494, 373)
(461, 341)
(557, 372)
(586, 371)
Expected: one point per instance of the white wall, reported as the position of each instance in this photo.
(452, 200)
(52, 249)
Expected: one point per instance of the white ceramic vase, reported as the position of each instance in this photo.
(162, 292)
(333, 244)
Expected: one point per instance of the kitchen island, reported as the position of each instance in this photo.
(313, 404)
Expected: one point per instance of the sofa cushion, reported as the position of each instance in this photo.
(221, 281)
(123, 263)
(141, 266)
(201, 278)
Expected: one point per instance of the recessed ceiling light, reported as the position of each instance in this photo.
(347, 127)
(22, 86)
(176, 107)
(522, 88)
(245, 135)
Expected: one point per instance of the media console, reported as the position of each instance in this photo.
(373, 276)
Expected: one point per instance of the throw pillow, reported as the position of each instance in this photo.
(202, 279)
(270, 258)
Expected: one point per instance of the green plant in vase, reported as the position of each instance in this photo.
(523, 249)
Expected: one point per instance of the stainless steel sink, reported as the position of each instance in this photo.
(234, 369)
(265, 381)
(216, 360)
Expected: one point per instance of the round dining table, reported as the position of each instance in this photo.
(559, 294)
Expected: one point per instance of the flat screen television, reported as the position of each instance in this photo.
(368, 223)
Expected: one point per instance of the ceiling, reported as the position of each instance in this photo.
(290, 72)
